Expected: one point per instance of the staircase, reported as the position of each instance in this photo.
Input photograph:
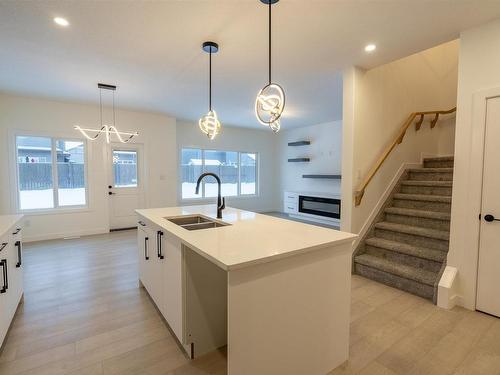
(407, 244)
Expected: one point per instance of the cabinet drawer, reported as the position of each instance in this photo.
(290, 208)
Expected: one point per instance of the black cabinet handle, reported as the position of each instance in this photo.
(17, 231)
(146, 256)
(140, 222)
(489, 218)
(19, 256)
(5, 286)
(158, 243)
(2, 246)
(111, 193)
(3, 264)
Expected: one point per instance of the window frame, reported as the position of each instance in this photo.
(202, 197)
(55, 181)
(114, 147)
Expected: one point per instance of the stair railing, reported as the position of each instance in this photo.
(358, 195)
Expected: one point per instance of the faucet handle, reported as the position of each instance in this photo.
(223, 205)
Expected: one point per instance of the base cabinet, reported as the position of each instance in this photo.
(160, 272)
(11, 277)
(172, 282)
(189, 291)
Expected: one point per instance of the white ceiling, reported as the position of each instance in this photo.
(152, 50)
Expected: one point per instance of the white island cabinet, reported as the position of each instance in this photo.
(11, 270)
(276, 292)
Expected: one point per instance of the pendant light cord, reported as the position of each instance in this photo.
(100, 104)
(210, 80)
(269, 42)
(114, 123)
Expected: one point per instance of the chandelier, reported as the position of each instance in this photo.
(210, 124)
(108, 130)
(270, 101)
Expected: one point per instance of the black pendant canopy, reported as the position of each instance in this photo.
(211, 47)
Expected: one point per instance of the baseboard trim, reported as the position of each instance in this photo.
(122, 229)
(57, 236)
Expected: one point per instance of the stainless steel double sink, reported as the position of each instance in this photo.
(196, 222)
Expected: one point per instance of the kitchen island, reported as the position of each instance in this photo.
(276, 292)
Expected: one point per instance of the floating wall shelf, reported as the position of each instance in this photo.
(299, 143)
(323, 176)
(299, 160)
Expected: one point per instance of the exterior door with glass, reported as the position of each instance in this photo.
(126, 184)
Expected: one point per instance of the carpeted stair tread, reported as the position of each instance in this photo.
(423, 197)
(399, 247)
(416, 231)
(440, 158)
(418, 213)
(408, 272)
(427, 183)
(429, 170)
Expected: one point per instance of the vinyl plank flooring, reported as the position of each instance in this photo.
(85, 314)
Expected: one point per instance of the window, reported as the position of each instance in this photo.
(248, 162)
(125, 168)
(51, 173)
(237, 171)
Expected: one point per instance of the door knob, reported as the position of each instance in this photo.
(110, 187)
(489, 218)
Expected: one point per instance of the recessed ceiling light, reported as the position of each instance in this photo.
(370, 48)
(61, 21)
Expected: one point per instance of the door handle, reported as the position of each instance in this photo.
(489, 218)
(17, 231)
(19, 256)
(141, 223)
(2, 246)
(146, 256)
(111, 193)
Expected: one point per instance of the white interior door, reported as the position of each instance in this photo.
(488, 296)
(126, 184)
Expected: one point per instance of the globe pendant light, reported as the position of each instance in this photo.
(270, 101)
(210, 124)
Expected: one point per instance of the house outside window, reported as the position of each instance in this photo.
(237, 171)
(51, 173)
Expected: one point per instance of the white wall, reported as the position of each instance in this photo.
(56, 118)
(376, 103)
(325, 152)
(238, 139)
(479, 63)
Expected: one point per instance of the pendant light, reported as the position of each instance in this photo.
(107, 130)
(210, 124)
(270, 101)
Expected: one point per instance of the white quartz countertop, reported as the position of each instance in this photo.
(251, 238)
(7, 222)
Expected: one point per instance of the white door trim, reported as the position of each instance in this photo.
(475, 186)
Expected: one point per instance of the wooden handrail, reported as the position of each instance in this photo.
(358, 196)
